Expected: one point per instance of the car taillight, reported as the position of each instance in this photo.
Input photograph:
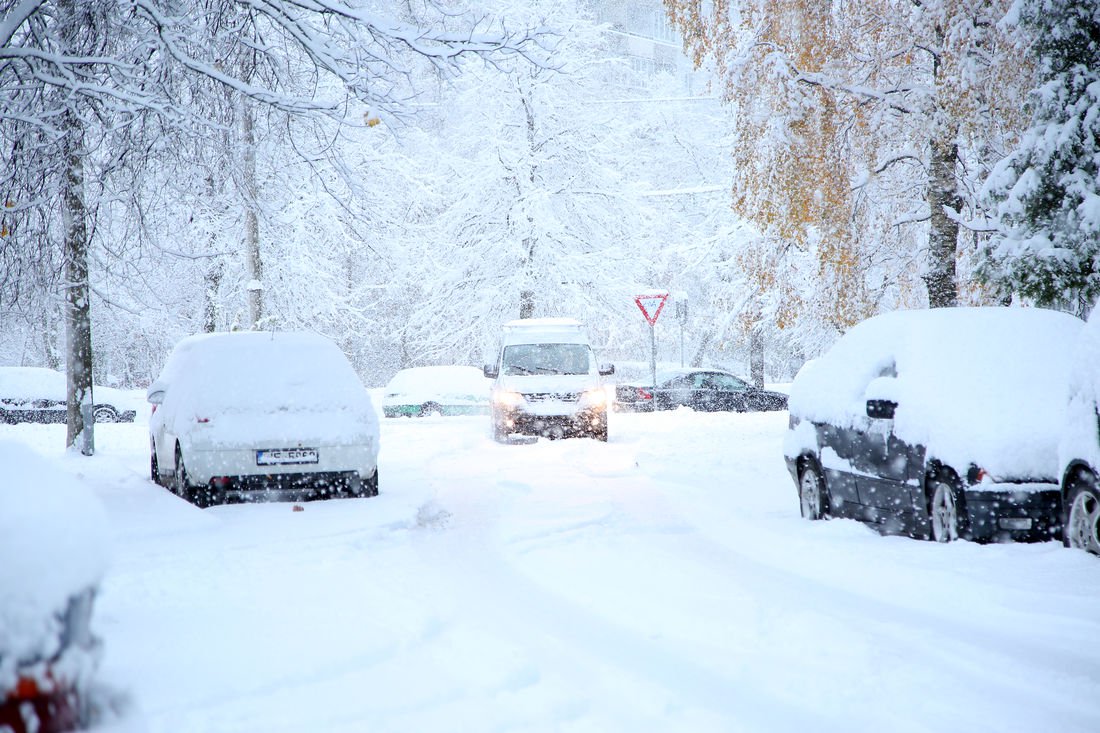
(202, 420)
(154, 412)
(25, 689)
(645, 394)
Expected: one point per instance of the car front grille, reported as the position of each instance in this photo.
(552, 396)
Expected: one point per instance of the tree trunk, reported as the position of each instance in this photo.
(210, 298)
(252, 223)
(527, 303)
(943, 234)
(78, 320)
(756, 357)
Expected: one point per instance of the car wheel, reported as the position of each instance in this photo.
(370, 486)
(430, 408)
(945, 510)
(600, 432)
(812, 495)
(182, 487)
(105, 413)
(1082, 529)
(154, 468)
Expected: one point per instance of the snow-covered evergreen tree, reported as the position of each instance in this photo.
(1047, 191)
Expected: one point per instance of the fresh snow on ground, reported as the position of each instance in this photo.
(663, 581)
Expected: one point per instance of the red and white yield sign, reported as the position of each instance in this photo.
(651, 305)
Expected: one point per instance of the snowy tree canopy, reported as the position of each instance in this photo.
(1047, 190)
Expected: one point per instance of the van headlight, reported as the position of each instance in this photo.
(595, 397)
(507, 398)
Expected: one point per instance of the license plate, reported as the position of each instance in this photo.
(1012, 523)
(286, 456)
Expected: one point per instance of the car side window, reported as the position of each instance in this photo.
(729, 383)
(705, 380)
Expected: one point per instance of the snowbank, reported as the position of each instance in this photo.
(53, 547)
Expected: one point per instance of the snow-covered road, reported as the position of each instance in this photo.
(662, 581)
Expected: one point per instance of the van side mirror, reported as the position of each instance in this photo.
(606, 370)
(881, 409)
(156, 397)
(490, 371)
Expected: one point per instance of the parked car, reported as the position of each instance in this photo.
(1079, 449)
(261, 415)
(53, 554)
(437, 390)
(631, 397)
(37, 394)
(940, 423)
(711, 390)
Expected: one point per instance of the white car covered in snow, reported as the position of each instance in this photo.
(437, 390)
(1079, 450)
(38, 395)
(941, 423)
(53, 552)
(261, 415)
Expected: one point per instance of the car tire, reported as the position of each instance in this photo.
(813, 497)
(104, 413)
(182, 487)
(154, 467)
(370, 486)
(600, 432)
(1082, 526)
(430, 408)
(946, 511)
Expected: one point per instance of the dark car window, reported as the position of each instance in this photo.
(729, 383)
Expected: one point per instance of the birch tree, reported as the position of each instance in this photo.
(862, 128)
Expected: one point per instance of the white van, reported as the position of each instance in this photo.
(547, 382)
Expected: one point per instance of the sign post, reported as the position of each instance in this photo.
(651, 306)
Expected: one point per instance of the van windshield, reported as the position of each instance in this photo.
(522, 359)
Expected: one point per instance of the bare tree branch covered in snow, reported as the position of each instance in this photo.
(88, 88)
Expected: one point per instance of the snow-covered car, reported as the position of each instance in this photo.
(940, 423)
(37, 394)
(53, 553)
(712, 390)
(1079, 448)
(261, 415)
(437, 390)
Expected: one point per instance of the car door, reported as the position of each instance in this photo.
(884, 463)
(675, 392)
(837, 448)
(732, 393)
(706, 393)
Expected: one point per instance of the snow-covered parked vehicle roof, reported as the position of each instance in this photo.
(982, 385)
(446, 390)
(54, 550)
(37, 394)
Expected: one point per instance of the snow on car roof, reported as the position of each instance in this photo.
(53, 545)
(261, 371)
(439, 380)
(982, 385)
(31, 383)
